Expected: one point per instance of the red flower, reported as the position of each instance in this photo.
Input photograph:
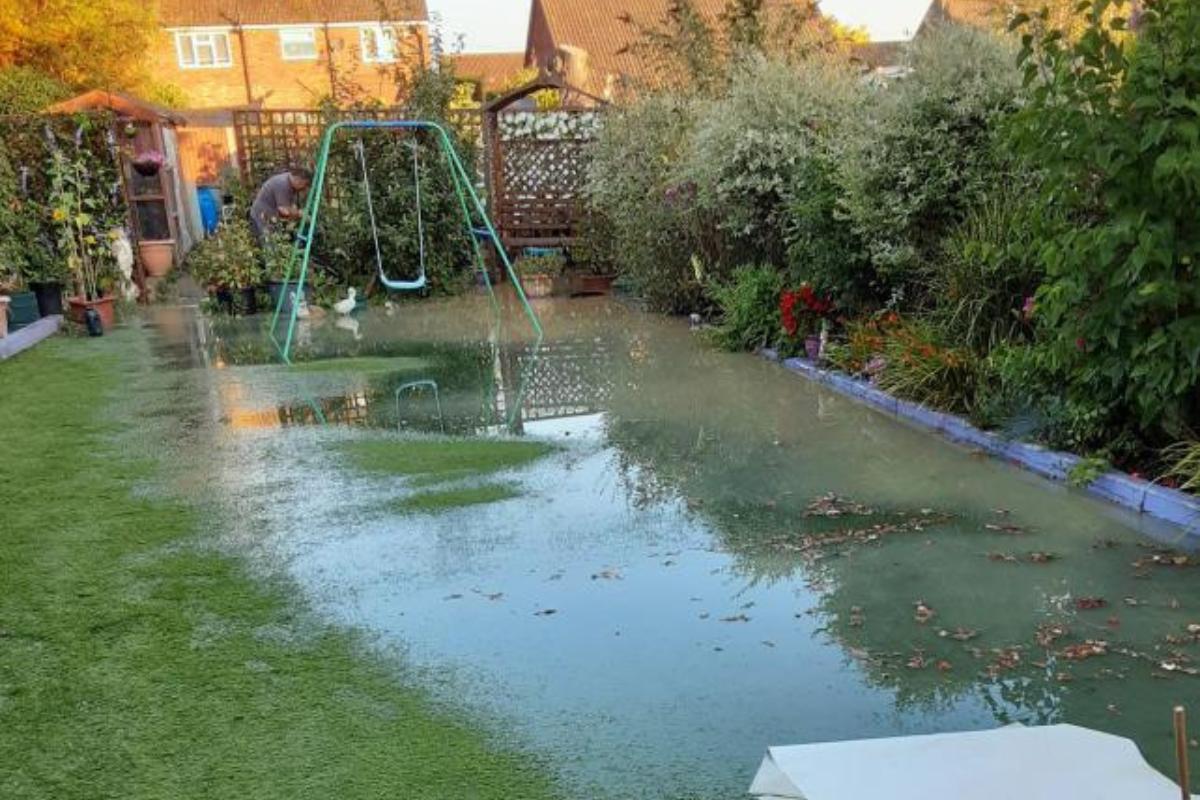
(787, 306)
(1081, 344)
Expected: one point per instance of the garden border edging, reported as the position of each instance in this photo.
(20, 341)
(1119, 488)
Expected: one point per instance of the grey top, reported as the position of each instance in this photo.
(276, 194)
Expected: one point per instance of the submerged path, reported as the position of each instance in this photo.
(138, 661)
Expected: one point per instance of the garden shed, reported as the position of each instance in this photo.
(161, 221)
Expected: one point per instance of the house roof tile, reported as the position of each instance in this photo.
(191, 13)
(491, 69)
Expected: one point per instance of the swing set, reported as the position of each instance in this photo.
(477, 225)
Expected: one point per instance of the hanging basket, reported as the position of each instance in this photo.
(148, 164)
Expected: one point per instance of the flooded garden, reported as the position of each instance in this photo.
(643, 561)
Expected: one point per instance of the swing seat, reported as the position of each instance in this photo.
(404, 286)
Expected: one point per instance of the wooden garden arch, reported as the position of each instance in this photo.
(535, 180)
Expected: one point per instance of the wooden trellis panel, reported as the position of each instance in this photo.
(269, 141)
(538, 166)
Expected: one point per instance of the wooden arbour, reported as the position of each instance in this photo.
(536, 162)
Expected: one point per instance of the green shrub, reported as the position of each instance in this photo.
(632, 184)
(1112, 124)
(917, 366)
(749, 307)
(982, 283)
(929, 153)
(228, 259)
(761, 143)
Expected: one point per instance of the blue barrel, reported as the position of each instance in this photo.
(209, 198)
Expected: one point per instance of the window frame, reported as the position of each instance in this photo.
(210, 37)
(307, 31)
(378, 34)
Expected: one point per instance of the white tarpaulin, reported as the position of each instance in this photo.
(1057, 762)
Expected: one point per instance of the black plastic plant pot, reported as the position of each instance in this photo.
(249, 300)
(147, 169)
(224, 299)
(49, 297)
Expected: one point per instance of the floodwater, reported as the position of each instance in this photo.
(719, 556)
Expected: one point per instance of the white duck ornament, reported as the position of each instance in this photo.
(346, 307)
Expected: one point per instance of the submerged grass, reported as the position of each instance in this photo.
(131, 663)
(433, 502)
(371, 365)
(434, 460)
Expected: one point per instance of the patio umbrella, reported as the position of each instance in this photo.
(1012, 763)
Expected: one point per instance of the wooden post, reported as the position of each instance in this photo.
(1181, 752)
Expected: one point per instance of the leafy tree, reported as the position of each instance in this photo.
(81, 43)
(24, 90)
(1113, 123)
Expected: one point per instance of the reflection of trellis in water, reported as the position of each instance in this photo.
(563, 379)
(537, 163)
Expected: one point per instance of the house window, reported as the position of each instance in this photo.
(203, 49)
(378, 44)
(299, 44)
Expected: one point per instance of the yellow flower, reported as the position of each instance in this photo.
(59, 215)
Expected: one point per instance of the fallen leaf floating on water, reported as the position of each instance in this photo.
(768, 643)
(705, 615)
(1038, 557)
(1166, 559)
(1105, 544)
(958, 634)
(493, 596)
(1112, 708)
(1006, 557)
(1113, 622)
(1090, 603)
(1003, 659)
(923, 613)
(1001, 512)
(916, 661)
(1048, 633)
(1084, 650)
(856, 617)
(736, 618)
(831, 505)
(545, 612)
(1005, 527)
(944, 666)
(607, 574)
(1132, 601)
(453, 597)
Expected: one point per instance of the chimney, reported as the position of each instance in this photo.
(571, 65)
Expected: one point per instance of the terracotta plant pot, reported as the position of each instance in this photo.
(103, 306)
(595, 284)
(157, 257)
(4, 301)
(537, 285)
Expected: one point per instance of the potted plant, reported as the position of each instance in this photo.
(77, 215)
(157, 256)
(228, 266)
(276, 254)
(47, 276)
(148, 163)
(538, 269)
(804, 313)
(22, 304)
(593, 252)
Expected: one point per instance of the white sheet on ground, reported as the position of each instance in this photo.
(1055, 762)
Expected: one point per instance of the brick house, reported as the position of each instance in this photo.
(289, 53)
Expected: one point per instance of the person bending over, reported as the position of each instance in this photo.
(279, 198)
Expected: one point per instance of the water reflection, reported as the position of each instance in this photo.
(707, 601)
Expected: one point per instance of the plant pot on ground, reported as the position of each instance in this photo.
(538, 269)
(157, 256)
(588, 283)
(77, 310)
(49, 297)
(22, 310)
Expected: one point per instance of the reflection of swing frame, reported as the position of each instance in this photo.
(477, 224)
(432, 384)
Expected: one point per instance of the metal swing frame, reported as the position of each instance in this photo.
(478, 226)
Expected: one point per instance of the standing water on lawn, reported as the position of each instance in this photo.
(646, 561)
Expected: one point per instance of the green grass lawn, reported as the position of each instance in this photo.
(372, 365)
(434, 460)
(133, 662)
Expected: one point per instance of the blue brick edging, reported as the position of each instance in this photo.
(27, 337)
(1159, 502)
